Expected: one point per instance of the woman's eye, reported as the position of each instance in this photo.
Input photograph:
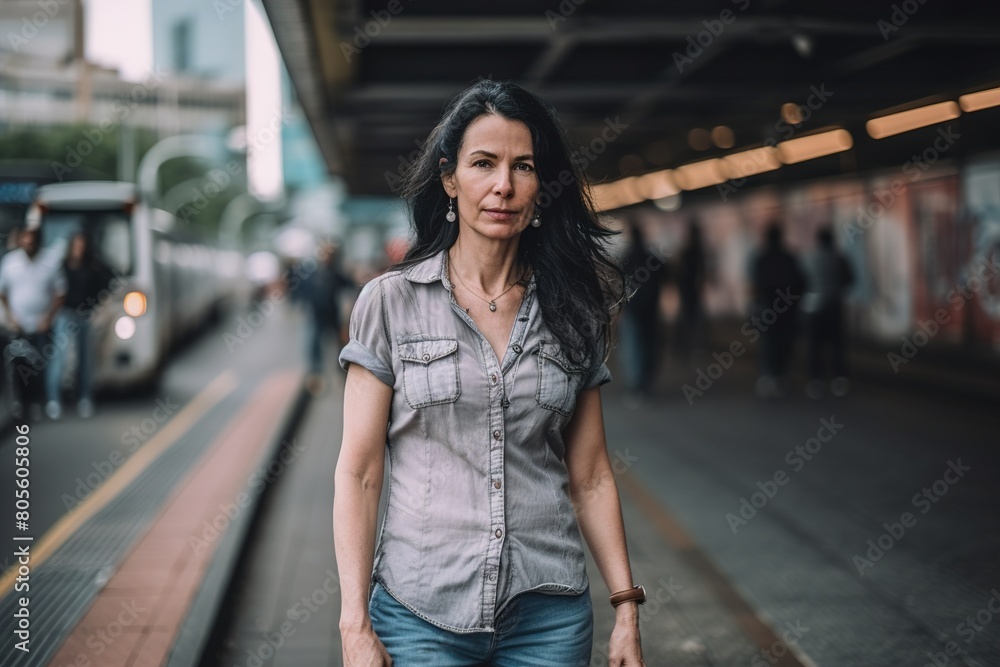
(481, 163)
(524, 166)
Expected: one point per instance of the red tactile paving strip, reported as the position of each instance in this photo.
(134, 619)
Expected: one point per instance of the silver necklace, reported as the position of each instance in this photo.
(492, 302)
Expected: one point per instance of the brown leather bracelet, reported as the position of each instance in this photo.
(634, 594)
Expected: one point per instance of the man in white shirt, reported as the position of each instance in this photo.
(32, 290)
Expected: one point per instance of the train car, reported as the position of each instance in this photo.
(166, 284)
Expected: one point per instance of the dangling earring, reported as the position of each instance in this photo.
(450, 215)
(537, 220)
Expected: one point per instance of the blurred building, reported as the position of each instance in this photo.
(198, 39)
(45, 80)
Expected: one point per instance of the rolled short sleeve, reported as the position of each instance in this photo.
(369, 335)
(597, 377)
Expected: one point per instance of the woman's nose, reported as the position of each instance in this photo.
(503, 186)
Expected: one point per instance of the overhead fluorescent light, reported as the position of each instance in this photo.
(904, 121)
(753, 161)
(984, 99)
(814, 146)
(656, 185)
(609, 196)
(700, 174)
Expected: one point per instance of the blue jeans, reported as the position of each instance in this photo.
(533, 630)
(70, 325)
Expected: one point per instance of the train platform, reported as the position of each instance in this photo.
(787, 532)
(138, 515)
(766, 532)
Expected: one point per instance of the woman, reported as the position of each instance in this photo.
(476, 365)
(86, 277)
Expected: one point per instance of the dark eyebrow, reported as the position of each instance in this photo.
(526, 156)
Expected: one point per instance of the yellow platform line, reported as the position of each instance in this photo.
(136, 464)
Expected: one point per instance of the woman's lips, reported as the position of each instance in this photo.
(498, 214)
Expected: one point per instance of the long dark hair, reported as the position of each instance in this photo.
(580, 289)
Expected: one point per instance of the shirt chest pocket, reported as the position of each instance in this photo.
(430, 371)
(559, 380)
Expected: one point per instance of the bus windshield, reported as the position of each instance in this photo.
(109, 232)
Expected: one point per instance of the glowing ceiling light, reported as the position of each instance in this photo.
(753, 161)
(723, 136)
(904, 121)
(700, 174)
(814, 146)
(984, 99)
(656, 185)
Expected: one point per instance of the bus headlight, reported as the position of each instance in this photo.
(135, 303)
(125, 327)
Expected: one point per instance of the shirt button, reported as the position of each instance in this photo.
(517, 349)
(496, 434)
(493, 576)
(499, 533)
(427, 357)
(496, 484)
(493, 378)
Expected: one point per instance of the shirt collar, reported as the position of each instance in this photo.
(428, 270)
(435, 268)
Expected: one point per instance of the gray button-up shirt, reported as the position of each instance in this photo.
(478, 502)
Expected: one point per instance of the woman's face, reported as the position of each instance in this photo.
(494, 179)
(77, 247)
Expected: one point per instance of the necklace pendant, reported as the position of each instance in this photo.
(493, 306)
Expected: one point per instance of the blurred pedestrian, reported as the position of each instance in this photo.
(691, 271)
(477, 363)
(638, 327)
(777, 284)
(828, 277)
(321, 292)
(86, 277)
(32, 290)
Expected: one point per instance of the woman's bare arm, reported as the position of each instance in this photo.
(595, 496)
(357, 486)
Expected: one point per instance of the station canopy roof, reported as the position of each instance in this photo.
(373, 76)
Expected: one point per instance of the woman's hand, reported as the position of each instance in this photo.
(362, 648)
(624, 649)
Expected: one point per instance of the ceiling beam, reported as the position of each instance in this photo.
(443, 30)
